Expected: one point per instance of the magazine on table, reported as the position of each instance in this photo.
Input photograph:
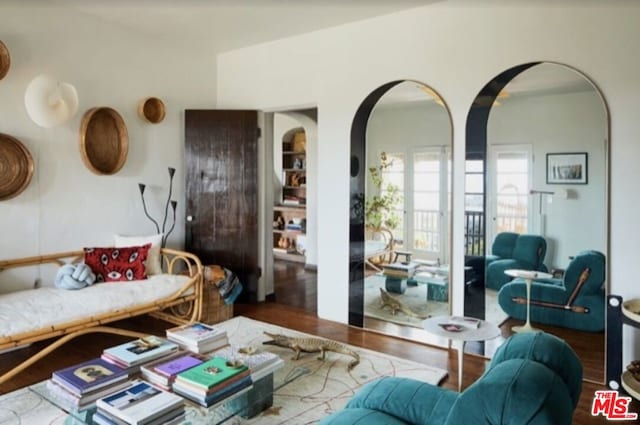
(460, 323)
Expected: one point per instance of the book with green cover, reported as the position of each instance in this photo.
(211, 373)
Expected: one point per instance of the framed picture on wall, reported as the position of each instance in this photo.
(567, 168)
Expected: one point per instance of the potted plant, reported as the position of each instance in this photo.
(380, 210)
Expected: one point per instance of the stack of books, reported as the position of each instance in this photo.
(260, 363)
(139, 403)
(79, 386)
(213, 381)
(399, 270)
(163, 372)
(132, 355)
(198, 337)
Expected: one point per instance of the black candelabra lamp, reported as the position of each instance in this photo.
(174, 204)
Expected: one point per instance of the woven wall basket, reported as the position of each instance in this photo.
(152, 110)
(5, 60)
(16, 167)
(104, 141)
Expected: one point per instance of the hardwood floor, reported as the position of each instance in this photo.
(293, 307)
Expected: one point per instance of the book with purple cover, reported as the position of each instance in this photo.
(175, 366)
(89, 375)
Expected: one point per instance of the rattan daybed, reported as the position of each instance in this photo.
(32, 315)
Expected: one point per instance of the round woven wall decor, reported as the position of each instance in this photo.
(104, 141)
(5, 60)
(16, 167)
(152, 110)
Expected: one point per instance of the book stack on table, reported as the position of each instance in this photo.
(213, 381)
(131, 355)
(163, 372)
(140, 403)
(399, 270)
(198, 337)
(79, 386)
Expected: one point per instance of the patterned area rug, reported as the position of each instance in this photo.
(324, 388)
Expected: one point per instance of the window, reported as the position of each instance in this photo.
(510, 188)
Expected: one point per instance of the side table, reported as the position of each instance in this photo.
(485, 331)
(528, 276)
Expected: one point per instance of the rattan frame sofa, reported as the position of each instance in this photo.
(178, 304)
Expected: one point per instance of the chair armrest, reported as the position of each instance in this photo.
(407, 399)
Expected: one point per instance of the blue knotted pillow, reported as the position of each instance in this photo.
(74, 276)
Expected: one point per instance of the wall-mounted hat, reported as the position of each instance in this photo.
(50, 102)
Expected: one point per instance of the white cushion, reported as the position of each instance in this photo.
(33, 309)
(153, 263)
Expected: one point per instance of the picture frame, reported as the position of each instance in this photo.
(567, 168)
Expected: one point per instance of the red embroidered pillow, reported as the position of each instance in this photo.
(117, 264)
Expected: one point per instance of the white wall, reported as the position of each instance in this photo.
(455, 50)
(66, 206)
(571, 122)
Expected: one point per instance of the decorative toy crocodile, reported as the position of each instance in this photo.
(396, 305)
(311, 345)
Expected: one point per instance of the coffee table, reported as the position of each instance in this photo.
(484, 331)
(246, 405)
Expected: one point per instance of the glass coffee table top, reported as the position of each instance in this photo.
(247, 404)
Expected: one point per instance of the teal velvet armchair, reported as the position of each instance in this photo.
(533, 379)
(527, 254)
(575, 301)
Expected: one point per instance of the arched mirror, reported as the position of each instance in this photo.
(400, 218)
(536, 207)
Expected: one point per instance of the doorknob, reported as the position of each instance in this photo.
(189, 218)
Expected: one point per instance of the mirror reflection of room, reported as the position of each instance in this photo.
(536, 207)
(407, 209)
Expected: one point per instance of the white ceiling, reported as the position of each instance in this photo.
(227, 24)
(231, 24)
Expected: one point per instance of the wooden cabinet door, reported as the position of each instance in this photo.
(221, 173)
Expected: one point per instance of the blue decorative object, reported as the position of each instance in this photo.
(74, 276)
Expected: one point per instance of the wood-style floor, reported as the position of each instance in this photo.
(294, 307)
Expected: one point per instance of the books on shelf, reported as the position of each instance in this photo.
(163, 372)
(260, 363)
(198, 337)
(132, 354)
(89, 376)
(212, 381)
(140, 404)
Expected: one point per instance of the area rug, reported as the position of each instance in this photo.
(415, 298)
(321, 387)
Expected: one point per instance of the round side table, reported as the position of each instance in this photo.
(484, 331)
(528, 276)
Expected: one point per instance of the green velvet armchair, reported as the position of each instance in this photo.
(575, 301)
(533, 379)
